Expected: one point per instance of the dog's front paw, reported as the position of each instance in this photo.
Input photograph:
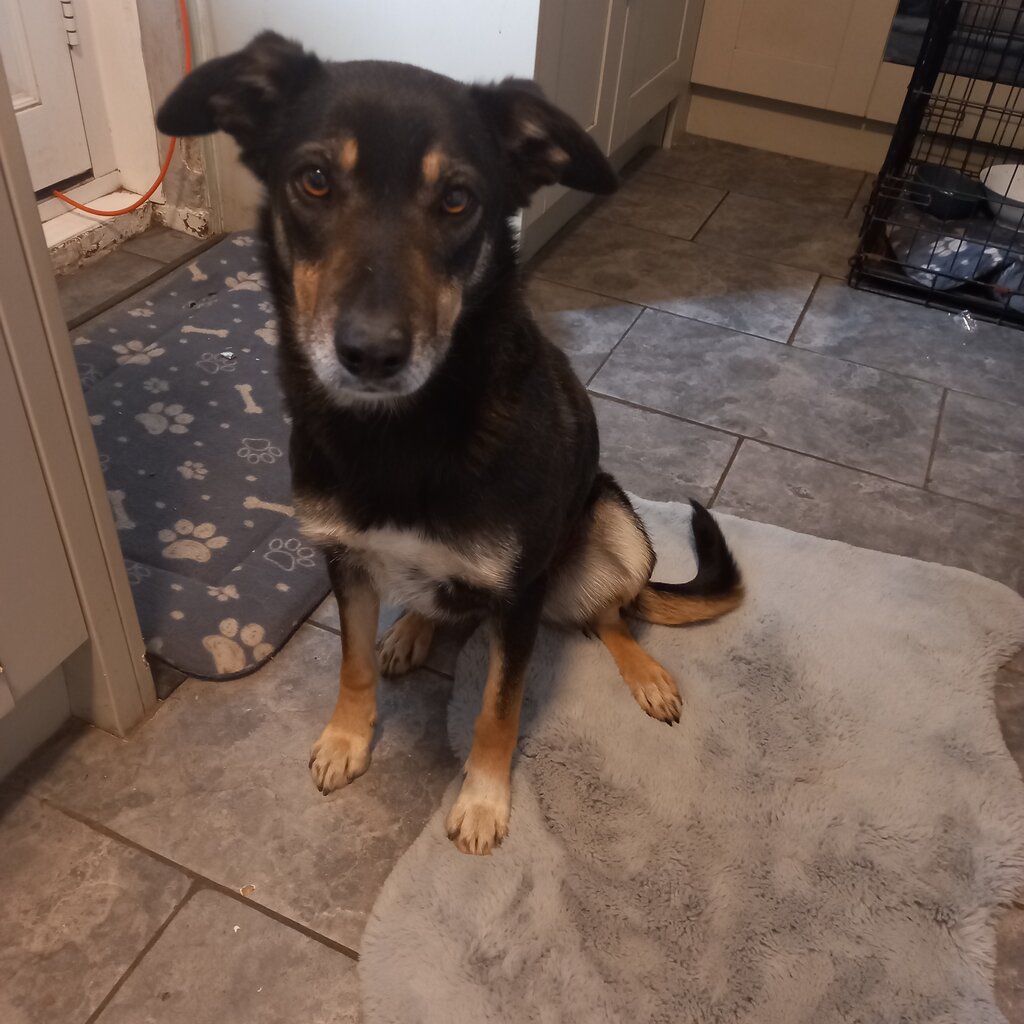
(406, 644)
(337, 758)
(656, 692)
(479, 820)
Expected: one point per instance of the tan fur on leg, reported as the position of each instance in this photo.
(406, 644)
(479, 819)
(654, 689)
(342, 753)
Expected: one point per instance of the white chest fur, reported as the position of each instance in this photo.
(407, 566)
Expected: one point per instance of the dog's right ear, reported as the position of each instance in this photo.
(241, 94)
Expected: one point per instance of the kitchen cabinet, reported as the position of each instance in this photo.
(615, 65)
(822, 55)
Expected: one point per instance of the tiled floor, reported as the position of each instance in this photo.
(107, 279)
(728, 362)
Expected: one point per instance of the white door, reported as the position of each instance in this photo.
(34, 48)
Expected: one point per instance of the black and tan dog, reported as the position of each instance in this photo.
(444, 455)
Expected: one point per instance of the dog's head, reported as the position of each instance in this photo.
(388, 189)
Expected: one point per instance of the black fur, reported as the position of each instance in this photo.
(717, 572)
(501, 437)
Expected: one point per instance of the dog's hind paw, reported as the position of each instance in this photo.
(337, 758)
(406, 644)
(656, 692)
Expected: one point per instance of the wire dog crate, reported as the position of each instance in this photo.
(945, 223)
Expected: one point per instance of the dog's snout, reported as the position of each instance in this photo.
(372, 348)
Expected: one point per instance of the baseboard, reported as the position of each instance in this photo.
(819, 135)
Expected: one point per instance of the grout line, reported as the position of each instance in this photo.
(787, 344)
(425, 667)
(836, 205)
(705, 246)
(803, 312)
(935, 438)
(667, 312)
(725, 473)
(856, 196)
(810, 455)
(200, 881)
(611, 351)
(153, 939)
(704, 222)
(325, 628)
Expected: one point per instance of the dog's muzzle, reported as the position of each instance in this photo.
(372, 347)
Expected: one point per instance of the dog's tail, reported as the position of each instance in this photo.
(716, 589)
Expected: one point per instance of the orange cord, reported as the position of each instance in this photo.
(185, 31)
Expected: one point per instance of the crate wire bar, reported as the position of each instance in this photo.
(942, 225)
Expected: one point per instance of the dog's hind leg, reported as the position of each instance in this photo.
(479, 819)
(651, 685)
(406, 644)
(608, 567)
(342, 753)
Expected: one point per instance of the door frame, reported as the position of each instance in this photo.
(108, 678)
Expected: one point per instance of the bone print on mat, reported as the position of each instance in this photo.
(175, 381)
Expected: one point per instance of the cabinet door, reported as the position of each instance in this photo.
(823, 55)
(656, 58)
(40, 618)
(578, 47)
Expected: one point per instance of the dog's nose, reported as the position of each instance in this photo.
(372, 347)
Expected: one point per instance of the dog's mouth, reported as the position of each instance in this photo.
(348, 388)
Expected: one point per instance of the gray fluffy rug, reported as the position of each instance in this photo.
(827, 836)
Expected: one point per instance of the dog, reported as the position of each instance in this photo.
(444, 454)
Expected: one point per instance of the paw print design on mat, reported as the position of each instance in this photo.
(88, 374)
(140, 311)
(196, 542)
(287, 554)
(268, 332)
(217, 362)
(228, 593)
(259, 449)
(137, 352)
(155, 386)
(243, 241)
(192, 470)
(159, 417)
(246, 282)
(231, 647)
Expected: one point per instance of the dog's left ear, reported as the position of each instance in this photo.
(542, 143)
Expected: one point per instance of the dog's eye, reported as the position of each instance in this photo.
(456, 201)
(314, 183)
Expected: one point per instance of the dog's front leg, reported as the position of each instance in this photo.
(479, 819)
(343, 751)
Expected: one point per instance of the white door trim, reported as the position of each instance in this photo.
(108, 680)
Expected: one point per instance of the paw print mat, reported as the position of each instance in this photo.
(182, 391)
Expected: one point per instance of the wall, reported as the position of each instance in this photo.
(467, 39)
(186, 203)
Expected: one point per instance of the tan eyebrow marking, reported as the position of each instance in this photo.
(432, 160)
(349, 154)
